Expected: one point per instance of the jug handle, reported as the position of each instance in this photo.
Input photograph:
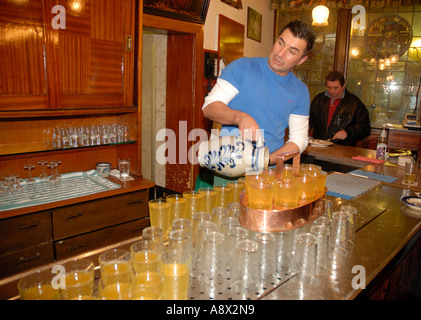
(286, 156)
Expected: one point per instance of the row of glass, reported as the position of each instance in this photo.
(91, 135)
(13, 183)
(219, 257)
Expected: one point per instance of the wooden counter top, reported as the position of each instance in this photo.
(341, 154)
(137, 184)
(344, 154)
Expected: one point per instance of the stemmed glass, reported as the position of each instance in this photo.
(30, 182)
(53, 178)
(8, 189)
(43, 175)
(57, 162)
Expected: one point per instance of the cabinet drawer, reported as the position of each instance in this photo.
(25, 231)
(94, 240)
(25, 259)
(98, 214)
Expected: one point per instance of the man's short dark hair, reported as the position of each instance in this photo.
(336, 75)
(302, 31)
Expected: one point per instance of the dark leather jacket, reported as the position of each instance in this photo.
(351, 115)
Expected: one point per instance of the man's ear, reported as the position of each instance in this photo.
(302, 60)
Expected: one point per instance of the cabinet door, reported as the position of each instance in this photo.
(23, 82)
(91, 53)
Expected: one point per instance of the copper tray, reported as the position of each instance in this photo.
(260, 220)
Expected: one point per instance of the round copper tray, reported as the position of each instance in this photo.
(260, 220)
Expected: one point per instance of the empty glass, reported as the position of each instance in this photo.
(212, 264)
(267, 265)
(246, 269)
(218, 213)
(43, 175)
(234, 235)
(156, 235)
(30, 182)
(322, 234)
(342, 231)
(284, 252)
(305, 258)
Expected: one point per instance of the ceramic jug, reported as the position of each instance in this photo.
(231, 156)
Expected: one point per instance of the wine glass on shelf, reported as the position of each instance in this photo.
(58, 175)
(16, 180)
(43, 176)
(30, 182)
(8, 189)
(53, 179)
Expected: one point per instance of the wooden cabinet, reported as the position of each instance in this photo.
(72, 66)
(93, 215)
(25, 242)
(79, 55)
(34, 239)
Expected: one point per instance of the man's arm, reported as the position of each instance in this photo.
(298, 137)
(216, 109)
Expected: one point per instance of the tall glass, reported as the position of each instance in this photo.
(237, 187)
(261, 195)
(115, 266)
(38, 286)
(178, 206)
(287, 192)
(174, 267)
(194, 202)
(209, 200)
(308, 186)
(79, 275)
(223, 195)
(321, 181)
(145, 263)
(156, 235)
(219, 213)
(305, 257)
(160, 214)
(267, 258)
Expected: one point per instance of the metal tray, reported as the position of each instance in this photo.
(260, 220)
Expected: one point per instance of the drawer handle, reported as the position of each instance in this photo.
(37, 255)
(136, 230)
(68, 217)
(83, 245)
(135, 202)
(36, 223)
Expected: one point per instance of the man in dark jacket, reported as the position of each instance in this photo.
(337, 114)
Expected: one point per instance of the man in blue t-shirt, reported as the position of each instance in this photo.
(255, 95)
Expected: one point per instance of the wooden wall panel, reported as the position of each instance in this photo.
(180, 73)
(75, 55)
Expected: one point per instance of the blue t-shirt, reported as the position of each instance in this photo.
(266, 96)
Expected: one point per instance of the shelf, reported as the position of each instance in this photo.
(43, 146)
(24, 114)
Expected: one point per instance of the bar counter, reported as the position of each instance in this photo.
(384, 262)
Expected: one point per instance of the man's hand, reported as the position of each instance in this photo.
(249, 129)
(340, 135)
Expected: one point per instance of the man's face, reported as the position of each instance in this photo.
(335, 89)
(287, 52)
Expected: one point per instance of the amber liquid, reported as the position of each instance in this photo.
(160, 214)
(79, 285)
(175, 281)
(260, 197)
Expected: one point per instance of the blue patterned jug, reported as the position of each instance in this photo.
(231, 156)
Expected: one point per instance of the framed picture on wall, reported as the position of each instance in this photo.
(187, 10)
(254, 25)
(234, 3)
